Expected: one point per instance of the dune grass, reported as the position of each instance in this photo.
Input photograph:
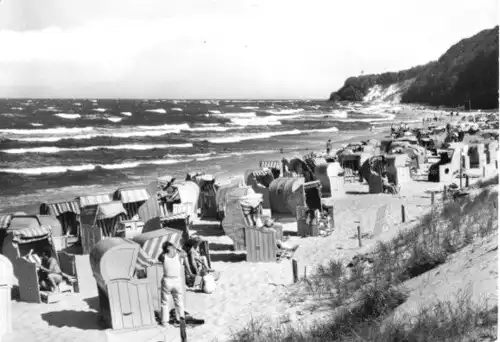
(360, 298)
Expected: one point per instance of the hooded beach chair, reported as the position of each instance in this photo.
(101, 221)
(259, 180)
(243, 214)
(141, 205)
(23, 244)
(68, 214)
(125, 301)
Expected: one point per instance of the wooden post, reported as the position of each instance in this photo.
(484, 171)
(183, 331)
(360, 243)
(496, 164)
(432, 198)
(444, 193)
(295, 270)
(466, 181)
(461, 163)
(305, 272)
(403, 214)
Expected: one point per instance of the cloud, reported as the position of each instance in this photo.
(221, 48)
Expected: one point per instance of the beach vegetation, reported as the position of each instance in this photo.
(361, 296)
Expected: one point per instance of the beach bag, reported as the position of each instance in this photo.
(208, 285)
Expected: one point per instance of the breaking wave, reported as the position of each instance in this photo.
(54, 149)
(68, 116)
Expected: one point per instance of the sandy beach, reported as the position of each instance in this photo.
(245, 290)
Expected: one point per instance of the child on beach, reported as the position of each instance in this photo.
(171, 284)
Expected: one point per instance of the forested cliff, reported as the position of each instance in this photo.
(467, 71)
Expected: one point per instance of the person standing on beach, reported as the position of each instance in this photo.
(171, 284)
(328, 146)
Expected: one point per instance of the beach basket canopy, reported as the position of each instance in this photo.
(110, 210)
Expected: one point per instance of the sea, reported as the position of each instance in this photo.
(50, 144)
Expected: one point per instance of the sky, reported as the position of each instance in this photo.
(221, 48)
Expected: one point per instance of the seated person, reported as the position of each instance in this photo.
(197, 265)
(50, 273)
(388, 187)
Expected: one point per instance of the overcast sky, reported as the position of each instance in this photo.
(220, 48)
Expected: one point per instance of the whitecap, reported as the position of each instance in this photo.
(89, 167)
(54, 150)
(36, 124)
(159, 110)
(285, 111)
(250, 107)
(68, 116)
(114, 119)
(208, 129)
(166, 127)
(51, 131)
(100, 110)
(126, 113)
(252, 136)
(214, 111)
(177, 109)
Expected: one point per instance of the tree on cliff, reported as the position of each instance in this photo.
(467, 71)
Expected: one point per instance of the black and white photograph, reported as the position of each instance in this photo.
(249, 170)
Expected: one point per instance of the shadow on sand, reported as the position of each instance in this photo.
(357, 192)
(208, 229)
(228, 257)
(220, 247)
(84, 320)
(93, 303)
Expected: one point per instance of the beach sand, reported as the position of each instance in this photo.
(245, 290)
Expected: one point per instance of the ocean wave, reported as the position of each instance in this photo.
(266, 135)
(214, 111)
(100, 110)
(144, 131)
(388, 117)
(177, 109)
(322, 130)
(251, 119)
(342, 114)
(48, 109)
(68, 116)
(208, 129)
(54, 150)
(254, 136)
(166, 127)
(57, 130)
(114, 119)
(249, 107)
(159, 110)
(126, 113)
(36, 124)
(237, 115)
(285, 111)
(257, 121)
(89, 167)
